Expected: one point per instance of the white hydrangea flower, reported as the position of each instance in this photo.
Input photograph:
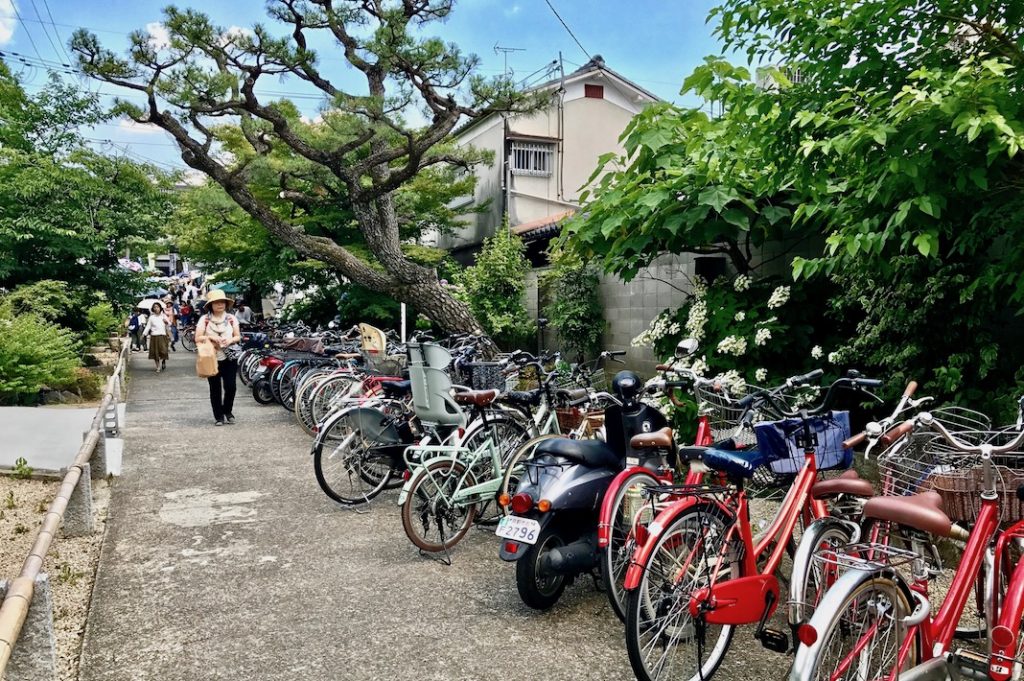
(740, 316)
(700, 366)
(817, 352)
(742, 283)
(732, 345)
(779, 297)
(732, 381)
(700, 287)
(697, 319)
(761, 375)
(674, 328)
(834, 357)
(762, 336)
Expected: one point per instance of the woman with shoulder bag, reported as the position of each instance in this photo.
(221, 329)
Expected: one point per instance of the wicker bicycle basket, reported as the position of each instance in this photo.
(570, 418)
(961, 493)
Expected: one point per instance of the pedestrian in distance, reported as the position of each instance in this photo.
(220, 328)
(158, 332)
(134, 331)
(243, 313)
(171, 313)
(185, 314)
(143, 338)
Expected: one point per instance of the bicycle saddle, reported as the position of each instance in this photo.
(526, 398)
(479, 398)
(396, 388)
(590, 453)
(739, 463)
(658, 439)
(920, 511)
(847, 483)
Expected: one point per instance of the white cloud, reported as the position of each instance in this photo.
(235, 32)
(7, 21)
(128, 125)
(194, 178)
(513, 10)
(159, 37)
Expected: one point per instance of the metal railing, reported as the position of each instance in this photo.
(20, 591)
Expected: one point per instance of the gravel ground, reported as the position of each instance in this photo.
(71, 562)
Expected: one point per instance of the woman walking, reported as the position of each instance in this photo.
(157, 330)
(220, 328)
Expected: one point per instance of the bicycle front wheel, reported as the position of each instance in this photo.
(352, 457)
(433, 520)
(663, 640)
(863, 636)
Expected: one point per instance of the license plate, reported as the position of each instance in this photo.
(520, 529)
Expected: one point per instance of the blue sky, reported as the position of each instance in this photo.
(653, 42)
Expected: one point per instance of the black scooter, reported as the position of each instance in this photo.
(551, 532)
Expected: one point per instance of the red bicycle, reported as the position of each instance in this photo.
(698, 573)
(876, 621)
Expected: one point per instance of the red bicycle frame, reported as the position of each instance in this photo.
(703, 439)
(1005, 636)
(740, 601)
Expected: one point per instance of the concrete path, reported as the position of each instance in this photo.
(224, 560)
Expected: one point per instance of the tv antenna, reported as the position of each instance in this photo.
(505, 51)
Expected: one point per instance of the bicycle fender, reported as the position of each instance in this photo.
(418, 473)
(604, 520)
(635, 571)
(807, 658)
(803, 558)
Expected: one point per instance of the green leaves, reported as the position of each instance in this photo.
(717, 197)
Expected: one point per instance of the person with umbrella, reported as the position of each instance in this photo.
(158, 331)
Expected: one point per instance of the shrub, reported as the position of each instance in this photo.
(33, 353)
(102, 322)
(576, 310)
(86, 384)
(493, 288)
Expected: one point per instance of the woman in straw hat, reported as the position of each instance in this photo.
(157, 331)
(221, 329)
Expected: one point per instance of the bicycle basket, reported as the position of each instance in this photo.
(782, 442)
(908, 465)
(720, 407)
(486, 376)
(570, 418)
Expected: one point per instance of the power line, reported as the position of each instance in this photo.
(42, 25)
(573, 35)
(46, 4)
(17, 14)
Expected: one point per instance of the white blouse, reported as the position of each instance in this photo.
(156, 325)
(225, 328)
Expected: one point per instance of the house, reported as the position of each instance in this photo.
(543, 160)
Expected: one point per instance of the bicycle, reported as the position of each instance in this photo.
(875, 622)
(697, 572)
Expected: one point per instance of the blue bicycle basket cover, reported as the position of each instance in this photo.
(778, 440)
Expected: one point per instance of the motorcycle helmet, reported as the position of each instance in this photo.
(626, 385)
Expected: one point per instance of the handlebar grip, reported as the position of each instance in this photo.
(745, 402)
(855, 441)
(868, 383)
(582, 400)
(896, 433)
(617, 353)
(662, 367)
(575, 394)
(808, 377)
(911, 389)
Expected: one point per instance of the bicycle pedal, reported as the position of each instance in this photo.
(775, 640)
(970, 664)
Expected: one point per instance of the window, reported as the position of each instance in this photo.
(593, 91)
(531, 158)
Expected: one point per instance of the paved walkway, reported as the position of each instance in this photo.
(224, 560)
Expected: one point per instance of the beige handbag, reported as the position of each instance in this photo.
(206, 359)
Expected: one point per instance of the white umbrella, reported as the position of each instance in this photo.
(148, 304)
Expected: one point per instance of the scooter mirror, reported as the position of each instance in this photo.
(686, 347)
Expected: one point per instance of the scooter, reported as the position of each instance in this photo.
(551, 532)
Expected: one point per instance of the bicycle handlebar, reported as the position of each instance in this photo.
(984, 449)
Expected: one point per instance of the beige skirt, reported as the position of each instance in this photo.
(158, 347)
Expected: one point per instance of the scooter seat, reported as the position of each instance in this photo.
(739, 463)
(590, 453)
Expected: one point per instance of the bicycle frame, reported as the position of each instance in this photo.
(736, 601)
(468, 495)
(1005, 637)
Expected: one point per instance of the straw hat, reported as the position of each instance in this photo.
(216, 294)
